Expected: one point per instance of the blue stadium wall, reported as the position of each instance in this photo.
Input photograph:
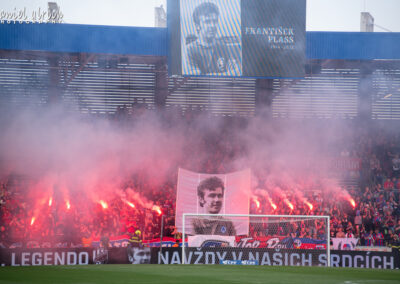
(43, 63)
(154, 41)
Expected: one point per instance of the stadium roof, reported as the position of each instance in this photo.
(154, 41)
(98, 69)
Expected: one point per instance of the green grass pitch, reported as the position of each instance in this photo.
(204, 274)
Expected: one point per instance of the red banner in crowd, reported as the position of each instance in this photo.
(280, 242)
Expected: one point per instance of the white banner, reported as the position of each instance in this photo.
(344, 243)
(199, 241)
(213, 194)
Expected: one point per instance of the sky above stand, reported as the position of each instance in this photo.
(322, 15)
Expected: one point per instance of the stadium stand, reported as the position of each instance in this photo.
(95, 80)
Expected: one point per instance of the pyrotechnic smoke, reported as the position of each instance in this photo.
(70, 157)
(343, 193)
(130, 204)
(265, 194)
(142, 201)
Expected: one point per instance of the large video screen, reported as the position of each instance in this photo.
(251, 38)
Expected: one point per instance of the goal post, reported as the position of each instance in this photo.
(287, 240)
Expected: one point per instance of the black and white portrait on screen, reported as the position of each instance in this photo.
(211, 38)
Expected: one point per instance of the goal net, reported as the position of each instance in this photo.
(282, 240)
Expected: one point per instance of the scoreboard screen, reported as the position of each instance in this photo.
(250, 38)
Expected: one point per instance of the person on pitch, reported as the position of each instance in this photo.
(137, 254)
(135, 240)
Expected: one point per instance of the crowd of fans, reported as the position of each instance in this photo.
(374, 220)
(84, 221)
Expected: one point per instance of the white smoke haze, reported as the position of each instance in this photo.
(292, 153)
(85, 154)
(69, 156)
(138, 199)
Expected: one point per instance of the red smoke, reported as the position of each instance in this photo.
(289, 204)
(347, 196)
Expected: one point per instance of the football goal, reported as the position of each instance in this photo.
(283, 240)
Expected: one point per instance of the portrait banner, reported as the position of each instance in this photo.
(229, 194)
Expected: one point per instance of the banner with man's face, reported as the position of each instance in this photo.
(251, 38)
(213, 194)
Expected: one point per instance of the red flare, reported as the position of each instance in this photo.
(273, 205)
(103, 204)
(309, 205)
(130, 204)
(347, 196)
(157, 209)
(289, 204)
(50, 201)
(257, 202)
(68, 205)
(33, 221)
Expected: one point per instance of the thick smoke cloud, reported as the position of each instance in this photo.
(73, 156)
(66, 152)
